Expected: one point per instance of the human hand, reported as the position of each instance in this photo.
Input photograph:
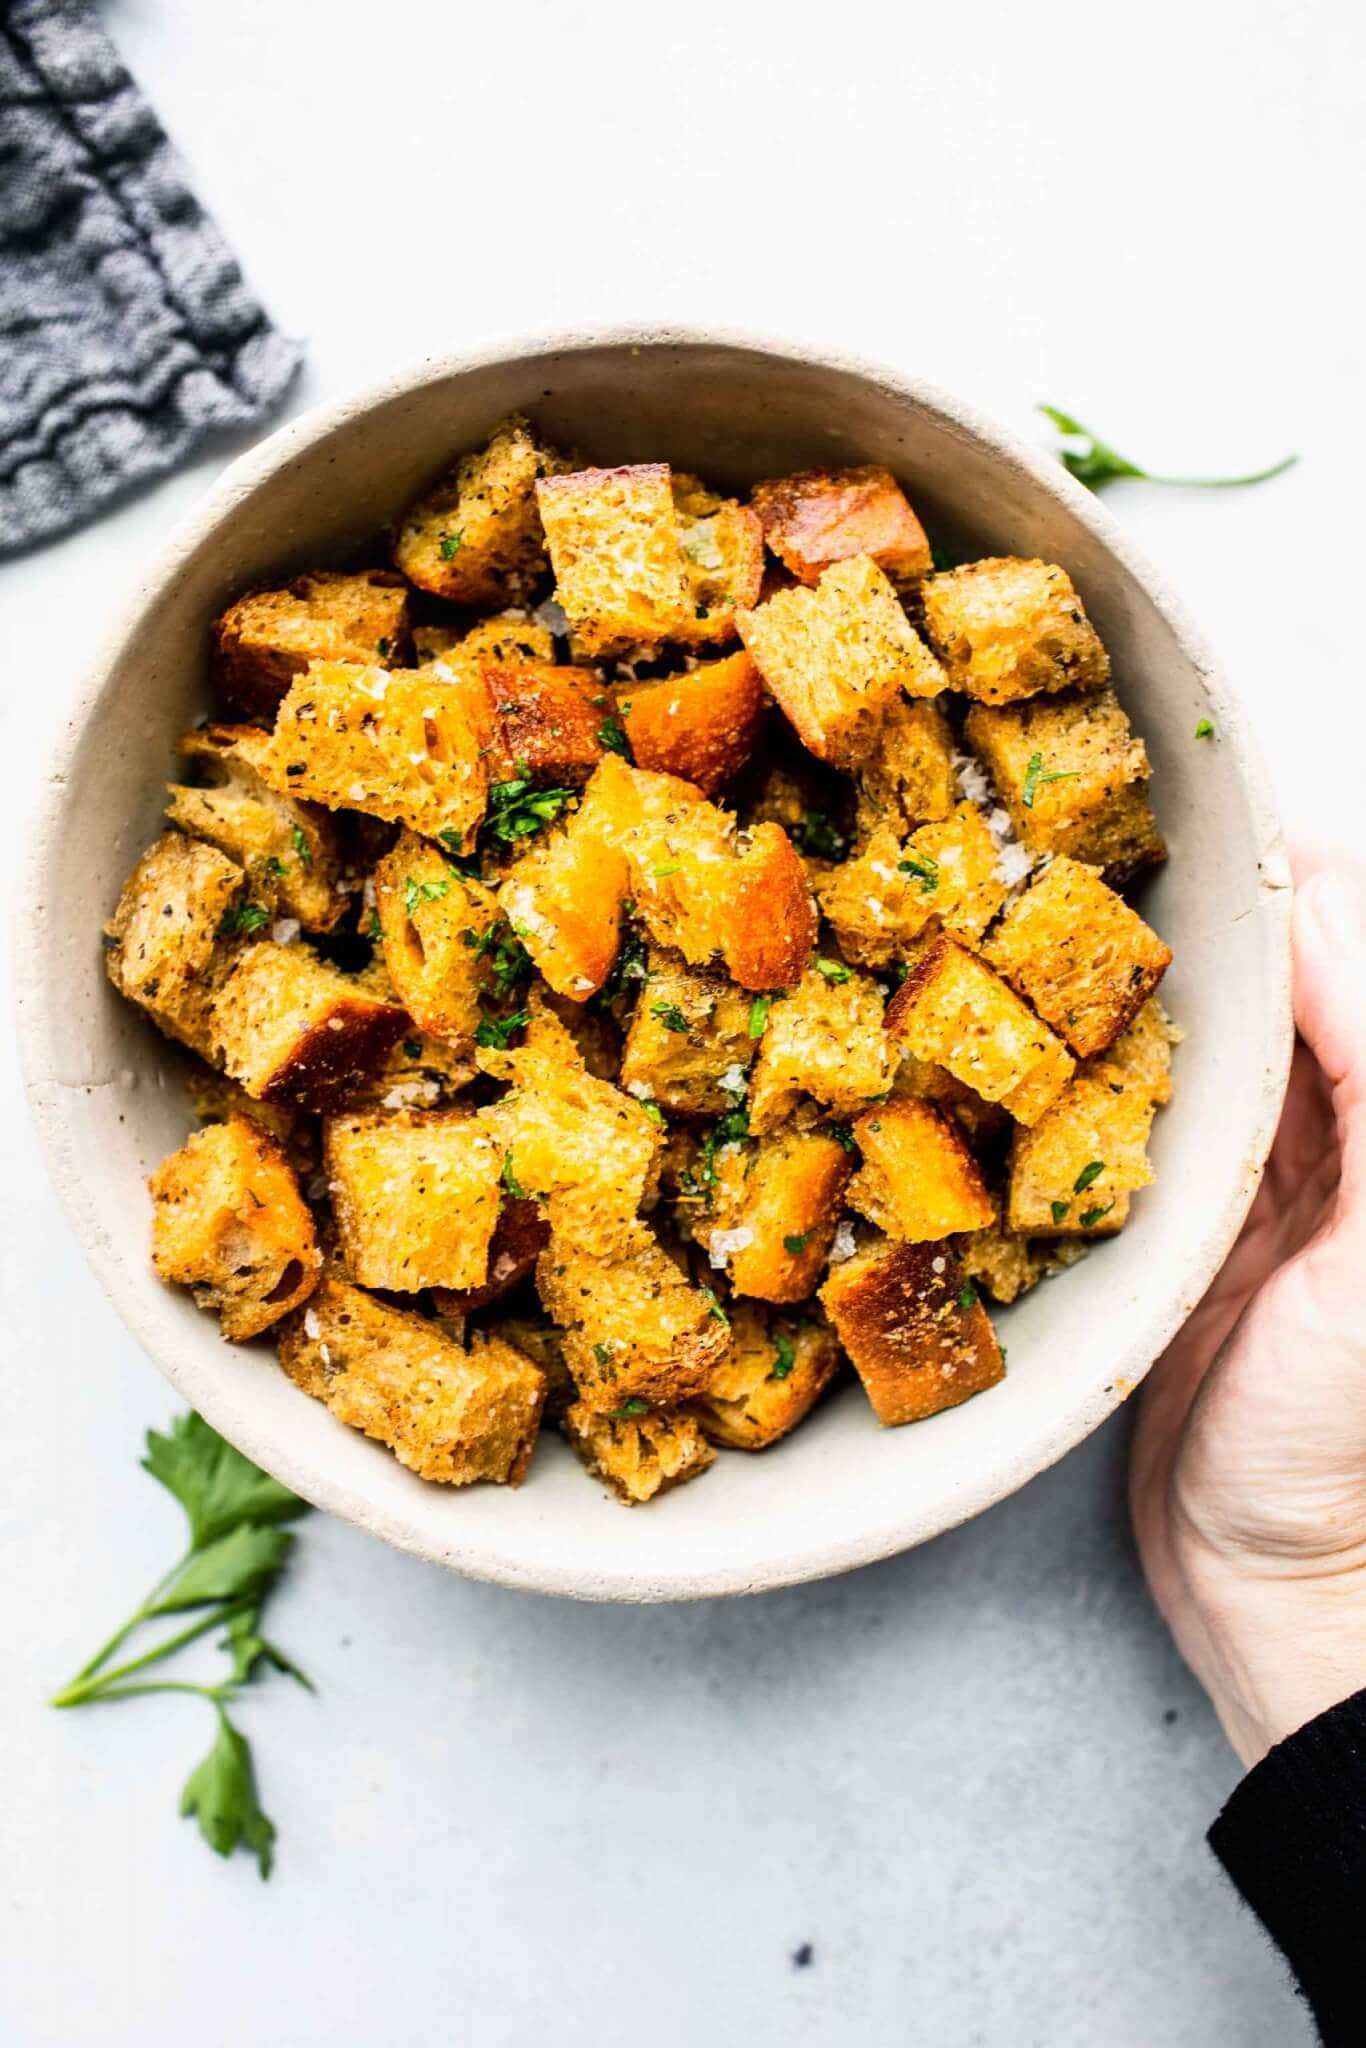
(1248, 1480)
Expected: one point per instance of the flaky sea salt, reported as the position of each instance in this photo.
(725, 1243)
(843, 1245)
(312, 1327)
(285, 930)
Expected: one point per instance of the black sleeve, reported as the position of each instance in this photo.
(1293, 1839)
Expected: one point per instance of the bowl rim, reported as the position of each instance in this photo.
(129, 1289)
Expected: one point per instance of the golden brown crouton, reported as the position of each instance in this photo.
(689, 1045)
(838, 657)
(415, 1194)
(906, 778)
(919, 1337)
(955, 1011)
(722, 545)
(702, 726)
(476, 537)
(419, 1072)
(1075, 1171)
(946, 876)
(270, 636)
(165, 948)
(1007, 1266)
(448, 1414)
(292, 1029)
(537, 1336)
(823, 516)
(918, 1180)
(1143, 1052)
(1009, 628)
(214, 1098)
(549, 721)
(399, 744)
(440, 932)
(509, 638)
(290, 851)
(635, 1327)
(620, 574)
(1079, 954)
(637, 1451)
(230, 1224)
(1073, 778)
(825, 1040)
(520, 1235)
(774, 1372)
(563, 900)
(773, 1212)
(983, 1121)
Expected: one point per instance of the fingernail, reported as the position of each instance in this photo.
(1339, 910)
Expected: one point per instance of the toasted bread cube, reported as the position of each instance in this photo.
(1084, 775)
(215, 1099)
(946, 876)
(165, 948)
(918, 1336)
(415, 1194)
(1007, 1266)
(702, 726)
(1074, 1172)
(635, 1327)
(450, 1415)
(1143, 1051)
(549, 720)
(773, 1214)
(839, 656)
(537, 1336)
(1009, 628)
(918, 1180)
(510, 639)
(774, 1372)
(984, 1122)
(1079, 954)
(230, 1224)
(688, 1047)
(822, 516)
(955, 1011)
(476, 537)
(722, 544)
(290, 851)
(292, 1029)
(563, 899)
(520, 1235)
(771, 918)
(637, 1452)
(417, 1073)
(824, 1040)
(270, 636)
(906, 779)
(620, 573)
(439, 929)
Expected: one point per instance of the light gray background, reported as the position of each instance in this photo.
(976, 1778)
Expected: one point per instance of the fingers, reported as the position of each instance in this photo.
(1330, 1011)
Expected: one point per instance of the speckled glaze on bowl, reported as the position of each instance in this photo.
(841, 1492)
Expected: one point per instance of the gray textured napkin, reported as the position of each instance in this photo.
(126, 332)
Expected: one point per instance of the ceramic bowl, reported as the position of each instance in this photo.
(842, 1491)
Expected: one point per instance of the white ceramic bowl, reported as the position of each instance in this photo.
(842, 1491)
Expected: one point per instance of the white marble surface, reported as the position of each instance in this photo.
(974, 1779)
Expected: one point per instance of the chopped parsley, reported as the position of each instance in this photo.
(245, 917)
(714, 1307)
(729, 1129)
(612, 735)
(968, 1296)
(1035, 777)
(1087, 1175)
(843, 1134)
(1059, 1209)
(415, 892)
(816, 836)
(1089, 1217)
(797, 1242)
(628, 1410)
(670, 1016)
(374, 930)
(517, 808)
(505, 953)
(926, 868)
(651, 1109)
(276, 868)
(413, 1048)
(602, 1352)
(299, 843)
(496, 1031)
(450, 544)
(631, 964)
(510, 1181)
(758, 1016)
(834, 971)
(1205, 729)
(785, 1356)
(665, 869)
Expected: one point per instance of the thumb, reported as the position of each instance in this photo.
(1330, 1012)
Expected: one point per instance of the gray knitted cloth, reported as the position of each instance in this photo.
(126, 332)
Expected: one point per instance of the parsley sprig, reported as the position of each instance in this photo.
(1095, 463)
(517, 808)
(1036, 775)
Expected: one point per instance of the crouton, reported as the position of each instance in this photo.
(906, 778)
(984, 1122)
(292, 1029)
(773, 1212)
(214, 1099)
(1008, 628)
(635, 1327)
(1077, 952)
(165, 948)
(1074, 1172)
(824, 1040)
(441, 933)
(771, 917)
(918, 1335)
(946, 876)
(722, 544)
(230, 1224)
(593, 1029)
(449, 1414)
(398, 744)
(822, 516)
(564, 900)
(689, 1046)
(415, 1194)
(918, 1181)
(701, 726)
(270, 636)
(1143, 1051)
(520, 1235)
(838, 657)
(476, 537)
(549, 720)
(417, 1073)
(1007, 1266)
(1073, 779)
(541, 1341)
(620, 573)
(290, 851)
(509, 638)
(775, 1370)
(955, 1011)
(637, 1452)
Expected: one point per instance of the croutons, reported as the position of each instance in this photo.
(1007, 1266)
(1075, 1171)
(509, 639)
(837, 657)
(825, 1040)
(292, 1029)
(520, 1235)
(689, 1046)
(415, 1194)
(230, 1224)
(449, 1414)
(906, 778)
(918, 1336)
(563, 899)
(773, 1212)
(290, 851)
(635, 1327)
(918, 1180)
(537, 1336)
(398, 744)
(1079, 954)
(476, 538)
(774, 1371)
(1143, 1052)
(702, 726)
(946, 876)
(822, 516)
(636, 1451)
(722, 544)
(983, 1121)
(1009, 628)
(441, 934)
(165, 948)
(549, 721)
(214, 1098)
(1073, 779)
(270, 636)
(955, 1011)
(620, 574)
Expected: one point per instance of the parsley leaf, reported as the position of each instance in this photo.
(797, 1242)
(926, 867)
(221, 1794)
(786, 1356)
(300, 845)
(612, 735)
(1094, 463)
(237, 1566)
(834, 971)
(1205, 729)
(517, 808)
(1090, 1217)
(496, 1031)
(1060, 1210)
(510, 1181)
(215, 1484)
(714, 1307)
(1035, 776)
(276, 868)
(631, 964)
(670, 1016)
(244, 917)
(450, 544)
(628, 1410)
(758, 1016)
(1087, 1175)
(665, 869)
(967, 1295)
(248, 1648)
(729, 1129)
(505, 953)
(816, 836)
(415, 892)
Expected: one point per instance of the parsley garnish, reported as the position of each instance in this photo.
(815, 835)
(511, 1182)
(602, 1352)
(797, 1242)
(843, 1134)
(450, 544)
(652, 1110)
(415, 892)
(967, 1295)
(374, 930)
(670, 1016)
(1205, 729)
(275, 868)
(413, 1048)
(665, 869)
(1094, 463)
(834, 971)
(1059, 1209)
(517, 808)
(628, 1410)
(246, 917)
(758, 1016)
(927, 868)
(1034, 776)
(629, 965)
(496, 1031)
(786, 1356)
(612, 735)
(1087, 1175)
(714, 1307)
(300, 845)
(505, 953)
(729, 1129)
(1089, 1217)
